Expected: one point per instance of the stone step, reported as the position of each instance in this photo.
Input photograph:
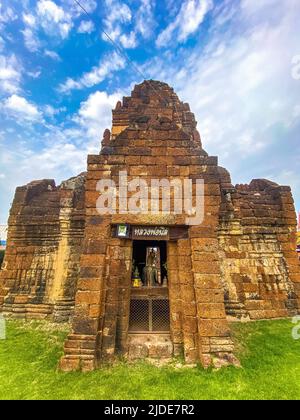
(18, 308)
(65, 302)
(235, 309)
(63, 308)
(234, 304)
(150, 346)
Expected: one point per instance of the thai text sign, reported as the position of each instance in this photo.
(155, 232)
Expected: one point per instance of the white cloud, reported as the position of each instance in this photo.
(58, 159)
(19, 108)
(119, 12)
(76, 11)
(7, 14)
(2, 44)
(49, 17)
(129, 41)
(50, 11)
(117, 15)
(86, 27)
(145, 22)
(64, 150)
(95, 113)
(90, 5)
(105, 68)
(224, 12)
(10, 74)
(34, 74)
(54, 18)
(31, 40)
(50, 111)
(52, 54)
(69, 85)
(124, 25)
(252, 7)
(29, 19)
(188, 20)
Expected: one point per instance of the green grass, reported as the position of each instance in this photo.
(269, 356)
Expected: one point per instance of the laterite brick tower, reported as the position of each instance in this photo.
(150, 285)
(154, 135)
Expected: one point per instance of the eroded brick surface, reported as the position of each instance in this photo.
(39, 275)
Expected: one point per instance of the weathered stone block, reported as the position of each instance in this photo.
(213, 328)
(209, 296)
(69, 365)
(211, 311)
(87, 297)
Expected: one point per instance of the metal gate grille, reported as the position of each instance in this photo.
(149, 315)
(139, 315)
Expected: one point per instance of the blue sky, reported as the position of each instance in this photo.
(235, 62)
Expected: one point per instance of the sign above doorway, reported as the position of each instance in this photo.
(155, 233)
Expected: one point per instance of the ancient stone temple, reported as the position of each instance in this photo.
(144, 284)
(42, 260)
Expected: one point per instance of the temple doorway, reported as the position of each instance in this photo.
(149, 303)
(149, 263)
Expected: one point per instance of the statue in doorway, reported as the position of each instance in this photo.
(151, 269)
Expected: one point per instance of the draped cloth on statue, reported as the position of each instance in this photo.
(152, 269)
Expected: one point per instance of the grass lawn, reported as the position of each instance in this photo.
(269, 356)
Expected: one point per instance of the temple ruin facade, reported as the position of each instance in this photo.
(151, 285)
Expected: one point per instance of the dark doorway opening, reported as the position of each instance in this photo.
(142, 251)
(149, 305)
